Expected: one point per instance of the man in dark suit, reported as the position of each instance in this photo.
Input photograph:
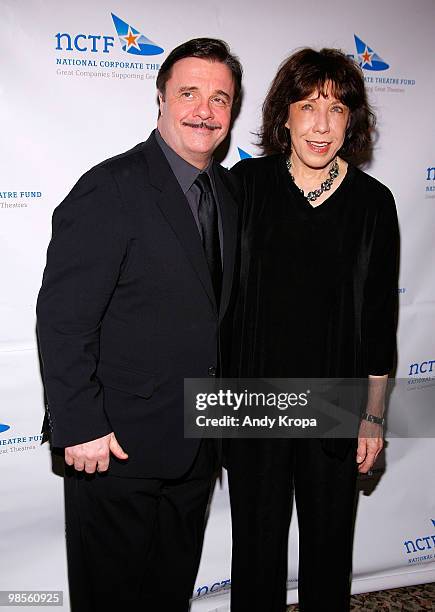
(138, 279)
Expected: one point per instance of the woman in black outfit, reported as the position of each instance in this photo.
(317, 298)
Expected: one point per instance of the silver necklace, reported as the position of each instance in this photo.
(325, 186)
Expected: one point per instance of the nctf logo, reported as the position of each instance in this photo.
(419, 545)
(425, 367)
(430, 176)
(367, 58)
(373, 65)
(132, 41)
(4, 427)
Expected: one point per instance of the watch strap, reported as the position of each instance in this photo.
(373, 419)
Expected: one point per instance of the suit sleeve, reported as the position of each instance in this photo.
(381, 290)
(84, 259)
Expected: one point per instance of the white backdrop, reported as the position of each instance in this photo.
(64, 109)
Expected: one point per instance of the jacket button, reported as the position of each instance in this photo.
(212, 371)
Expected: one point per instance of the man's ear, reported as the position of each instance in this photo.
(161, 99)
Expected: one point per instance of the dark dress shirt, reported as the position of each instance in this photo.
(186, 175)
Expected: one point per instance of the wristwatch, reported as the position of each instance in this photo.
(373, 419)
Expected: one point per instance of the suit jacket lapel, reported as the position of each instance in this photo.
(174, 206)
(228, 209)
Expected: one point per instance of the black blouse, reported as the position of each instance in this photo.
(318, 285)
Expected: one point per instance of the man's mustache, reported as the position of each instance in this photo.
(203, 124)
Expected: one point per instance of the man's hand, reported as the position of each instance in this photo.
(94, 455)
(370, 444)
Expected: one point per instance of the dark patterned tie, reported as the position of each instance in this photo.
(208, 222)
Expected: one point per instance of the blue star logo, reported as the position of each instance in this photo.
(367, 58)
(132, 41)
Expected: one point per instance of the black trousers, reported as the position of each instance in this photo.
(262, 475)
(135, 543)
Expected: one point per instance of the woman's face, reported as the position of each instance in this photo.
(317, 128)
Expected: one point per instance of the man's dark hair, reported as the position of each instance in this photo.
(302, 73)
(211, 49)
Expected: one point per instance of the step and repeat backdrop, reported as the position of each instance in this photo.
(77, 85)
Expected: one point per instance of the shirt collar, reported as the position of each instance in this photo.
(185, 173)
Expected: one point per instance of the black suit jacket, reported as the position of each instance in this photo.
(127, 310)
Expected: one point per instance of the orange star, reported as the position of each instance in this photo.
(130, 39)
(367, 57)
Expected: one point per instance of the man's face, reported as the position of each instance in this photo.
(195, 110)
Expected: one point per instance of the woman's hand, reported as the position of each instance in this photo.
(371, 435)
(370, 444)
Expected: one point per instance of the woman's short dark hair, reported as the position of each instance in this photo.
(211, 49)
(302, 73)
